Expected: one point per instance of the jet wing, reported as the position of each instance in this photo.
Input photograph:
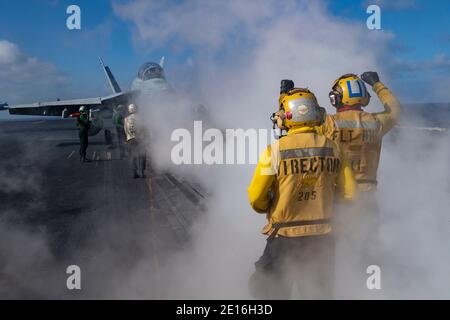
(56, 108)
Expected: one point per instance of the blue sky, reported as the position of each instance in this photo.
(38, 28)
(419, 26)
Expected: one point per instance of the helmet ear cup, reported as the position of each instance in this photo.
(335, 98)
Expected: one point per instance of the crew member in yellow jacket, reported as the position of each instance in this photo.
(359, 134)
(295, 183)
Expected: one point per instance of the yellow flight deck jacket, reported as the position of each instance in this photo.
(296, 179)
(359, 134)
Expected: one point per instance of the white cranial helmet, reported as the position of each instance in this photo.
(132, 108)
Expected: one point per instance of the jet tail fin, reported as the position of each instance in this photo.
(111, 80)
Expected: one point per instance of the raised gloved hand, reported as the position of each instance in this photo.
(370, 77)
(286, 85)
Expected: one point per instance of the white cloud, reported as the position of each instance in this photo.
(439, 62)
(24, 78)
(421, 80)
(238, 44)
(199, 22)
(223, 34)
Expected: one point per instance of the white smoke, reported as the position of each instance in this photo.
(414, 201)
(241, 51)
(27, 264)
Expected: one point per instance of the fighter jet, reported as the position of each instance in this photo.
(150, 80)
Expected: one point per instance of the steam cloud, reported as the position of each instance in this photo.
(240, 51)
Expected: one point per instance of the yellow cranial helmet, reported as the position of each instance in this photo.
(299, 108)
(349, 90)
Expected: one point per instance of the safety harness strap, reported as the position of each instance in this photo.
(278, 225)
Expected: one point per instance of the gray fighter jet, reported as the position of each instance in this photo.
(150, 80)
